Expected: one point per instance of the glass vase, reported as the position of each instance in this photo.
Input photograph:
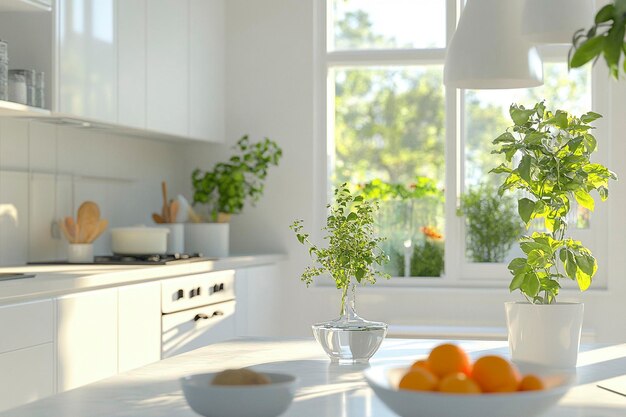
(349, 339)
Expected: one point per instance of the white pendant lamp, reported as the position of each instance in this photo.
(488, 51)
(555, 21)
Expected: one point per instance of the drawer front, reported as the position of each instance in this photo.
(192, 329)
(26, 324)
(197, 290)
(27, 375)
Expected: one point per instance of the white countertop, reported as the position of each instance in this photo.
(325, 390)
(56, 280)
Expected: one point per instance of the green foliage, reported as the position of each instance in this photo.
(227, 187)
(427, 259)
(353, 248)
(605, 37)
(380, 190)
(552, 167)
(491, 223)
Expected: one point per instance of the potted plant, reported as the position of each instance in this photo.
(224, 191)
(491, 223)
(350, 257)
(551, 153)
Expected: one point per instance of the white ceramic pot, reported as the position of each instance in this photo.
(175, 238)
(546, 335)
(139, 240)
(208, 239)
(80, 253)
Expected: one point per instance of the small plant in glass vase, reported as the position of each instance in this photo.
(351, 257)
(551, 169)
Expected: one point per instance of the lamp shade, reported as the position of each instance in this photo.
(555, 21)
(488, 51)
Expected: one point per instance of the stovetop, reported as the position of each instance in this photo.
(169, 259)
(14, 275)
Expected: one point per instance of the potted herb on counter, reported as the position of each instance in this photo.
(551, 169)
(351, 256)
(224, 191)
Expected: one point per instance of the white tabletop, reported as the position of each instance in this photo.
(325, 389)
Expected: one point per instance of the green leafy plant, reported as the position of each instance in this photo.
(380, 190)
(228, 185)
(353, 248)
(552, 151)
(427, 259)
(605, 37)
(491, 223)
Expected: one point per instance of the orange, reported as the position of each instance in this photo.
(531, 383)
(419, 380)
(495, 374)
(459, 383)
(448, 359)
(422, 363)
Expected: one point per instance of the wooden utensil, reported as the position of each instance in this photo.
(87, 219)
(66, 232)
(157, 218)
(165, 210)
(193, 216)
(98, 230)
(174, 207)
(70, 228)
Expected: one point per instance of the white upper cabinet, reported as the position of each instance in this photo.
(87, 59)
(131, 49)
(206, 70)
(167, 66)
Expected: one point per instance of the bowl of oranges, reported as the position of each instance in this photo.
(447, 383)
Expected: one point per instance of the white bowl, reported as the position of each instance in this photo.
(384, 381)
(269, 400)
(139, 240)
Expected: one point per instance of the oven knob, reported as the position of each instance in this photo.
(216, 288)
(221, 286)
(198, 290)
(180, 294)
(192, 293)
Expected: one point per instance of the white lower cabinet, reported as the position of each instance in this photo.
(86, 338)
(26, 352)
(26, 375)
(139, 311)
(257, 302)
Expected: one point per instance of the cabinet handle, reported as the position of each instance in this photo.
(200, 316)
(218, 313)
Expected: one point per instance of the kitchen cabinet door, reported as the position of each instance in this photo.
(206, 70)
(139, 312)
(168, 66)
(257, 302)
(131, 33)
(87, 59)
(86, 338)
(27, 375)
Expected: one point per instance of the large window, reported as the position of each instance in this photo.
(396, 133)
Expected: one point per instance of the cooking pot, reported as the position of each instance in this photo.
(139, 240)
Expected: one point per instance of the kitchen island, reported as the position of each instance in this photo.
(324, 389)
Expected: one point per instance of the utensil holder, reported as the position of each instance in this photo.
(80, 253)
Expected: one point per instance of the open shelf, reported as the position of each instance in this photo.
(25, 6)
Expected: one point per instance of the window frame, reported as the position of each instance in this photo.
(459, 272)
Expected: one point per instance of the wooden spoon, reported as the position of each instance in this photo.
(70, 227)
(98, 230)
(174, 206)
(165, 210)
(158, 219)
(66, 232)
(87, 218)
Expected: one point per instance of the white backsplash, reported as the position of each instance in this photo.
(48, 170)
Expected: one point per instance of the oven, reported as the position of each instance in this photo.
(197, 310)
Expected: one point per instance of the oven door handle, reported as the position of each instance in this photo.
(202, 316)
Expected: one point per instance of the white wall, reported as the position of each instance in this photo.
(47, 171)
(270, 92)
